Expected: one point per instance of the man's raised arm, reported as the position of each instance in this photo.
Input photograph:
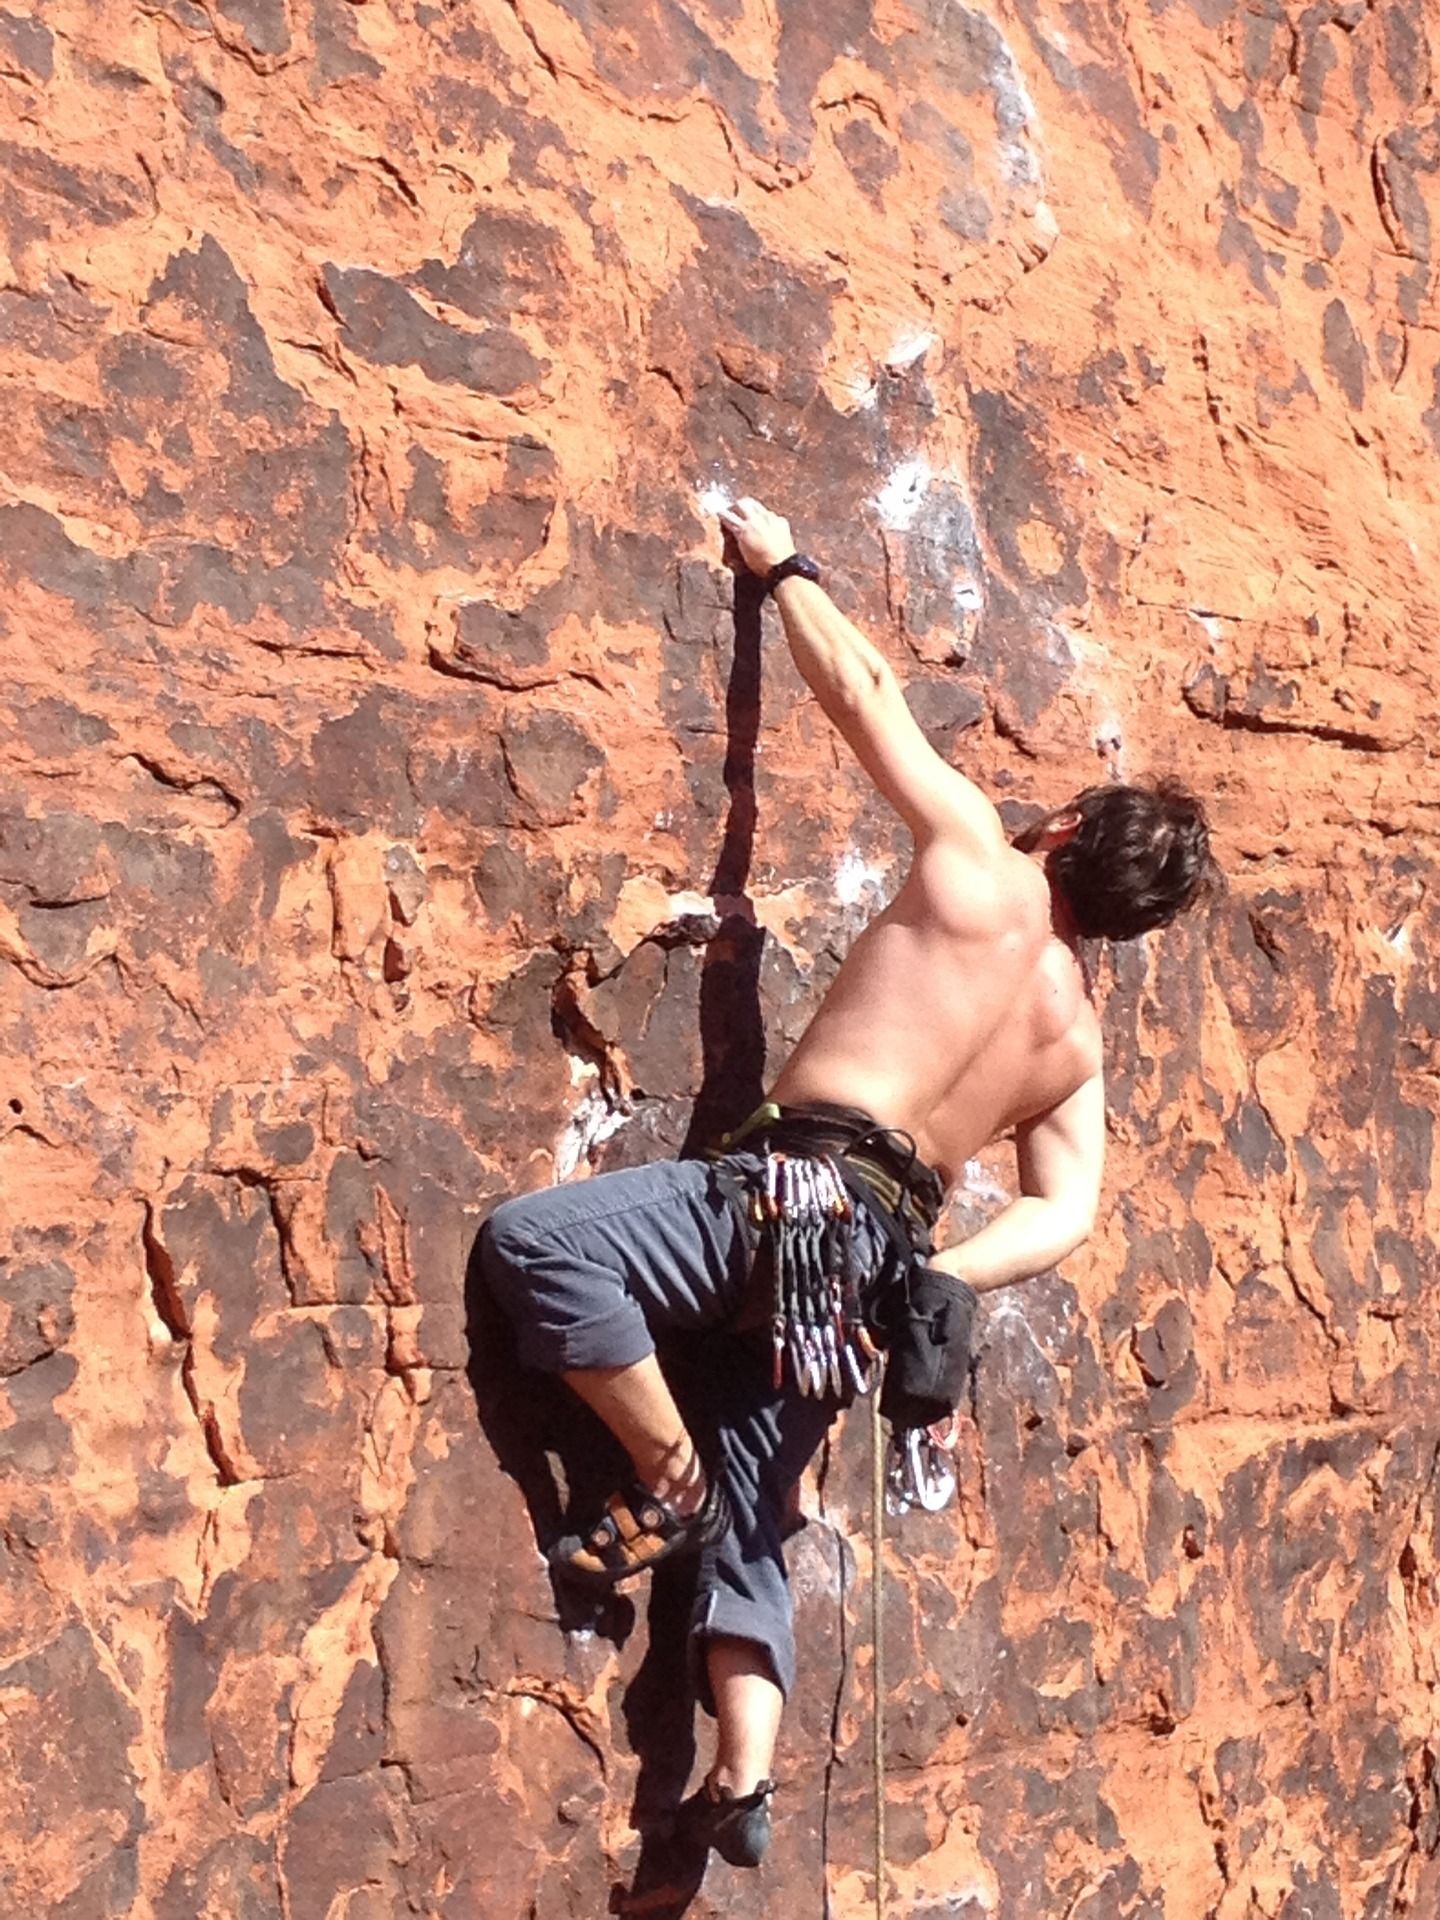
(859, 692)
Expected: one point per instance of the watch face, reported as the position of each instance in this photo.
(799, 565)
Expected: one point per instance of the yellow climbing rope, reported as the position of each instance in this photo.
(877, 1635)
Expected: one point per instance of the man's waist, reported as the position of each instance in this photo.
(884, 1158)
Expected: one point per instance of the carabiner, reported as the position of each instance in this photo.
(929, 1471)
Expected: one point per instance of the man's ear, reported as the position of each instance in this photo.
(1063, 827)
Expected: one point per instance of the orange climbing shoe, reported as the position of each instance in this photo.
(636, 1532)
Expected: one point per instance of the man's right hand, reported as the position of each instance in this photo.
(764, 539)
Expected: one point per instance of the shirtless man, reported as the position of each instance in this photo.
(961, 1014)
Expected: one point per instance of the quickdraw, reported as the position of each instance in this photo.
(921, 1467)
(806, 1222)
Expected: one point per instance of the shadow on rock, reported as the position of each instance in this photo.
(565, 1463)
(732, 1024)
(666, 1881)
(660, 1703)
(536, 1425)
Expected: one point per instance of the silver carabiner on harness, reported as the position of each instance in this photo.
(930, 1470)
(922, 1473)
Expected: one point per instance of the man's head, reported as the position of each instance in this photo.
(1125, 859)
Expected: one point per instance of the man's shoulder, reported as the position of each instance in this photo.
(985, 886)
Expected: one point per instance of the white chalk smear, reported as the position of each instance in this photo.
(712, 499)
(853, 879)
(592, 1122)
(1061, 646)
(908, 349)
(902, 495)
(975, 1181)
(1013, 1314)
(689, 903)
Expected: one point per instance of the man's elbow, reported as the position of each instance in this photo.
(1077, 1224)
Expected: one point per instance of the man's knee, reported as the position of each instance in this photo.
(510, 1231)
(506, 1239)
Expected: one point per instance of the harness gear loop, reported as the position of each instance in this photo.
(817, 1170)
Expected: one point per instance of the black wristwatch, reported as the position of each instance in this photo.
(799, 563)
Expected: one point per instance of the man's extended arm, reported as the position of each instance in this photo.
(1060, 1156)
(859, 692)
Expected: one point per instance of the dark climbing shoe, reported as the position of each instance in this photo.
(636, 1532)
(736, 1826)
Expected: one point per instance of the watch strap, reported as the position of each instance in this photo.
(799, 564)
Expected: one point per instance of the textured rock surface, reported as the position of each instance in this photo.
(384, 821)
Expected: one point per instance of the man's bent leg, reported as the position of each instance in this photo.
(638, 1407)
(585, 1272)
(748, 1705)
(743, 1630)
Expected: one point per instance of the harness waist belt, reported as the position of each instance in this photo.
(822, 1168)
(896, 1180)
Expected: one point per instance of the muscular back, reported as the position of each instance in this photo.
(958, 1014)
(961, 1012)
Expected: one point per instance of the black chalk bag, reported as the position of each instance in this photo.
(926, 1325)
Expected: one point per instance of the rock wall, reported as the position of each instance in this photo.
(396, 813)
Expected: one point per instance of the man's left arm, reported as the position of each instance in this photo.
(1060, 1156)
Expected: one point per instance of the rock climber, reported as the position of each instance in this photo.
(962, 1013)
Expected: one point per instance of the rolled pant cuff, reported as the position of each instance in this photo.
(616, 1339)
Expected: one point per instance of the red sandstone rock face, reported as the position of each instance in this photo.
(380, 834)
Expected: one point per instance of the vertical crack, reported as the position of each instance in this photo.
(164, 1286)
(170, 1306)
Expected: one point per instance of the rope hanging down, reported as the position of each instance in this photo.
(877, 1669)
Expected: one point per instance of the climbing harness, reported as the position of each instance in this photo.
(877, 1166)
(804, 1218)
(820, 1288)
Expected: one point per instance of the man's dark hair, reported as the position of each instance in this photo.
(1140, 856)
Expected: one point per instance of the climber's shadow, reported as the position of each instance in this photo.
(660, 1701)
(560, 1456)
(565, 1463)
(543, 1436)
(732, 1025)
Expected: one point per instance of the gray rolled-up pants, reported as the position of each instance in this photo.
(590, 1272)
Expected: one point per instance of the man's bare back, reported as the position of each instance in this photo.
(958, 1014)
(962, 1011)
